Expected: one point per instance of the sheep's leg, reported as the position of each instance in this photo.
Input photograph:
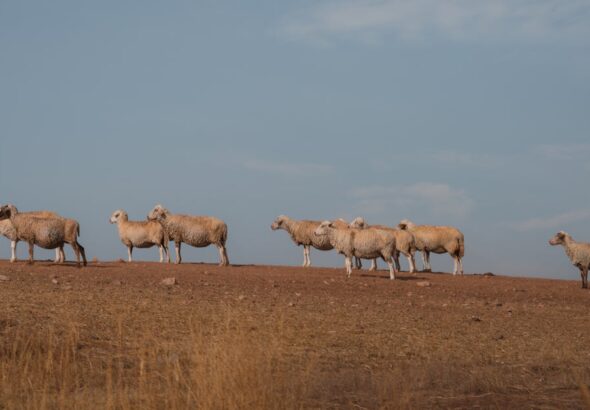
(584, 275)
(396, 260)
(223, 261)
(78, 250)
(177, 248)
(31, 246)
(411, 262)
(391, 266)
(62, 255)
(348, 263)
(426, 261)
(57, 256)
(460, 265)
(161, 249)
(12, 251)
(455, 265)
(373, 265)
(308, 256)
(129, 252)
(83, 253)
(167, 249)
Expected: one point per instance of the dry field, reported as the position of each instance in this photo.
(112, 336)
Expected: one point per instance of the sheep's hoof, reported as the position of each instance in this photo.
(12, 260)
(426, 270)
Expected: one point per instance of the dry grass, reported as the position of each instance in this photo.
(254, 337)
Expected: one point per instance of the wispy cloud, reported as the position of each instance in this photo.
(464, 20)
(447, 158)
(288, 168)
(438, 200)
(554, 222)
(563, 152)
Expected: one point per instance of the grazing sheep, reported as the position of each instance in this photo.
(404, 243)
(363, 243)
(198, 231)
(437, 239)
(578, 252)
(140, 234)
(46, 232)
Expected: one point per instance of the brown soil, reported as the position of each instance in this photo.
(472, 341)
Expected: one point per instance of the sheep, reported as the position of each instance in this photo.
(577, 252)
(8, 231)
(404, 243)
(363, 243)
(437, 239)
(140, 234)
(302, 233)
(47, 232)
(198, 231)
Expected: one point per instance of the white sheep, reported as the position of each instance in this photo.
(302, 233)
(140, 234)
(437, 239)
(198, 231)
(404, 243)
(577, 252)
(363, 243)
(46, 232)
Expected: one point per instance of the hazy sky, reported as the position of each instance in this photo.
(475, 114)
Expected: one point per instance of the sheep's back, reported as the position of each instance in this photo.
(197, 231)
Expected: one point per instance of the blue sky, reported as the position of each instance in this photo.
(474, 114)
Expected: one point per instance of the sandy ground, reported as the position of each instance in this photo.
(471, 341)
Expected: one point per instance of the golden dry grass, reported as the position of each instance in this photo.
(110, 336)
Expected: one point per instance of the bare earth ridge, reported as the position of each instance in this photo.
(113, 335)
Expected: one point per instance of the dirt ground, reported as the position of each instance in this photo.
(365, 342)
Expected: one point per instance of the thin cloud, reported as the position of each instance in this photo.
(554, 222)
(464, 20)
(438, 200)
(563, 152)
(288, 168)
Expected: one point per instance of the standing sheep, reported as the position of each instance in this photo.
(363, 243)
(404, 243)
(198, 231)
(302, 233)
(577, 252)
(140, 234)
(437, 239)
(8, 231)
(45, 232)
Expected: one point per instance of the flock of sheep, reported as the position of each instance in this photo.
(354, 240)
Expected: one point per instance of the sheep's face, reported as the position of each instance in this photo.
(558, 239)
(278, 223)
(405, 224)
(4, 212)
(116, 216)
(158, 213)
(358, 223)
(324, 228)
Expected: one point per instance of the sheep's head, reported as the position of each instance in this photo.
(559, 238)
(358, 223)
(158, 213)
(279, 223)
(324, 228)
(6, 211)
(405, 224)
(118, 215)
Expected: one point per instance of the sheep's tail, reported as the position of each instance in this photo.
(461, 247)
(78, 230)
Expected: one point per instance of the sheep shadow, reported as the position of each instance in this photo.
(397, 276)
